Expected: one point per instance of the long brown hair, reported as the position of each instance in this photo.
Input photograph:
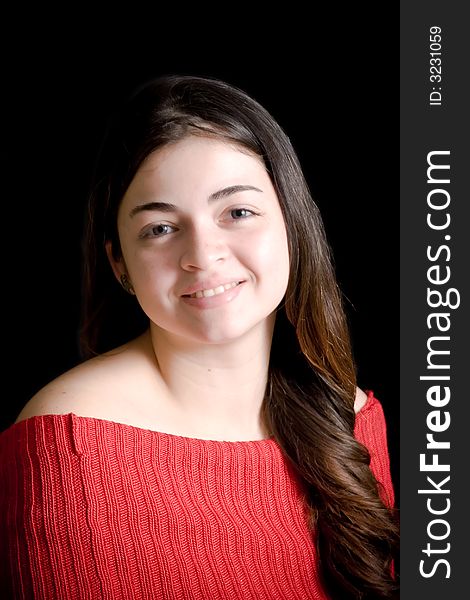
(309, 399)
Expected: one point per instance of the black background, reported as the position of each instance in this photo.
(331, 80)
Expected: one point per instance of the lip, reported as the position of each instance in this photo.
(209, 284)
(215, 301)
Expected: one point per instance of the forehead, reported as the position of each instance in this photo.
(197, 164)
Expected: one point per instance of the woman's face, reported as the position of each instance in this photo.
(203, 240)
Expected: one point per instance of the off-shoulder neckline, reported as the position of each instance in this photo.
(369, 404)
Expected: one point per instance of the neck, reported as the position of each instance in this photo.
(218, 387)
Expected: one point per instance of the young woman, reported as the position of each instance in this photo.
(214, 444)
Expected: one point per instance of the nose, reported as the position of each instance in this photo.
(202, 249)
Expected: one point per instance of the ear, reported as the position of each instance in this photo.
(118, 266)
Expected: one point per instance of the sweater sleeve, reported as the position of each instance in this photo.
(370, 429)
(40, 507)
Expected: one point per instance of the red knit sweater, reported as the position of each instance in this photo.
(93, 509)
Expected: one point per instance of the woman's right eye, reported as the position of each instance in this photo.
(158, 230)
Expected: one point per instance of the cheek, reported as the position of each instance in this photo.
(269, 255)
(150, 271)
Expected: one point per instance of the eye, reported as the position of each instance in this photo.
(241, 213)
(159, 230)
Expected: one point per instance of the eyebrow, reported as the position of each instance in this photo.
(166, 207)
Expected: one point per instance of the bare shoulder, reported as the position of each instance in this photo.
(360, 400)
(87, 388)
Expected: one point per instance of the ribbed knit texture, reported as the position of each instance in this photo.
(92, 509)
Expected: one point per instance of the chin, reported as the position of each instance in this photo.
(225, 333)
(216, 331)
(218, 336)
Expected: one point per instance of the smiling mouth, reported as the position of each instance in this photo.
(213, 291)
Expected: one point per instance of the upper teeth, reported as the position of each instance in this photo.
(214, 291)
